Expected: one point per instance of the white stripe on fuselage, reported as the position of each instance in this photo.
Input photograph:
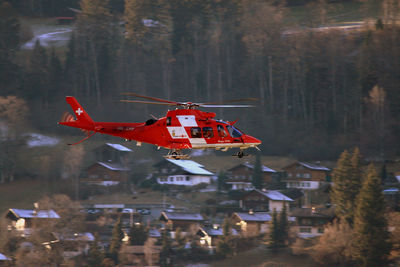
(179, 132)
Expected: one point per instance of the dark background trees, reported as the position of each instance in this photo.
(331, 88)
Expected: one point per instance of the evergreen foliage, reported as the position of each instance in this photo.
(274, 238)
(283, 227)
(371, 237)
(116, 240)
(346, 179)
(166, 249)
(257, 179)
(95, 255)
(225, 243)
(138, 235)
(221, 181)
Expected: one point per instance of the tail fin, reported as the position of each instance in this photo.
(80, 114)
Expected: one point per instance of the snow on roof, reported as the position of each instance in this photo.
(4, 257)
(183, 216)
(50, 214)
(113, 166)
(263, 168)
(190, 166)
(154, 233)
(274, 195)
(254, 217)
(314, 166)
(109, 206)
(119, 147)
(217, 232)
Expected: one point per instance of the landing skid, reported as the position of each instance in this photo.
(240, 154)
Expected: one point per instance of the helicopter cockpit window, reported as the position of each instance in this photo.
(195, 132)
(235, 133)
(168, 121)
(221, 131)
(208, 132)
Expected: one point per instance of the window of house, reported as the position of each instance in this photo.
(208, 132)
(305, 230)
(195, 132)
(307, 175)
(171, 179)
(221, 131)
(298, 175)
(187, 178)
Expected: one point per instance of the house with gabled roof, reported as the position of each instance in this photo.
(307, 176)
(110, 152)
(241, 175)
(182, 172)
(23, 220)
(251, 223)
(209, 235)
(106, 173)
(183, 220)
(264, 200)
(310, 222)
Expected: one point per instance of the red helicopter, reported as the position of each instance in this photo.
(183, 128)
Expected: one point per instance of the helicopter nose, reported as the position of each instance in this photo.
(252, 140)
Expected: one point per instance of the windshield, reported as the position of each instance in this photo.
(235, 133)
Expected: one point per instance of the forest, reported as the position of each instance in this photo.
(320, 91)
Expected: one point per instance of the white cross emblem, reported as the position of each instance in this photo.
(79, 111)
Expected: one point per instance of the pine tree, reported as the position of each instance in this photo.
(283, 227)
(371, 244)
(346, 185)
(166, 250)
(95, 256)
(138, 235)
(116, 240)
(257, 173)
(274, 231)
(224, 245)
(221, 181)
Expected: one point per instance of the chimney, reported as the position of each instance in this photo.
(35, 208)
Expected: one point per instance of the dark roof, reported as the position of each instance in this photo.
(271, 194)
(313, 212)
(181, 216)
(293, 193)
(311, 166)
(113, 166)
(251, 166)
(254, 217)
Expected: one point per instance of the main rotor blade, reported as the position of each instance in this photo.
(151, 98)
(227, 106)
(148, 102)
(231, 101)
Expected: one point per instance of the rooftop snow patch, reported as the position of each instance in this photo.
(35, 140)
(190, 166)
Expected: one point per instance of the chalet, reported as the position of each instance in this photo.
(73, 244)
(240, 184)
(139, 255)
(110, 152)
(183, 220)
(306, 175)
(245, 171)
(209, 236)
(23, 221)
(251, 223)
(264, 200)
(310, 222)
(182, 172)
(106, 174)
